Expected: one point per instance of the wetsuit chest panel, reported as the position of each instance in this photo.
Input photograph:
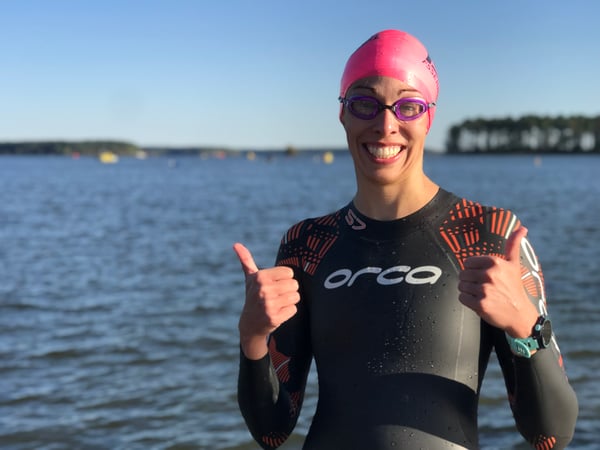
(381, 308)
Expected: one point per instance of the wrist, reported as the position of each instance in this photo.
(254, 347)
(525, 320)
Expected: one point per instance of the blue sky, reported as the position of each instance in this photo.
(265, 74)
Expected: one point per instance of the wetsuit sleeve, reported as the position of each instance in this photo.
(542, 401)
(271, 390)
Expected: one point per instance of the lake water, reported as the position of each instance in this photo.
(120, 294)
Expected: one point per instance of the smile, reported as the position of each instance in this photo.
(384, 152)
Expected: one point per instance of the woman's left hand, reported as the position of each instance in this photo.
(492, 287)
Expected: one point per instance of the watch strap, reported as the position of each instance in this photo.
(522, 346)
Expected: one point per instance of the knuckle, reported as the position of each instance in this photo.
(260, 276)
(287, 271)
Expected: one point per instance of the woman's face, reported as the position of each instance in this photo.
(385, 149)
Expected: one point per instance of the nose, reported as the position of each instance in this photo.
(386, 122)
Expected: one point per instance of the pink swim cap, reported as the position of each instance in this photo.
(394, 54)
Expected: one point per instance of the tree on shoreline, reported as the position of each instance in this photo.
(527, 134)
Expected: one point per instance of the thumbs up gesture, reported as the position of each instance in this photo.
(492, 287)
(271, 298)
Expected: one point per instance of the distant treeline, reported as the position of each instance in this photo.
(94, 148)
(85, 148)
(528, 134)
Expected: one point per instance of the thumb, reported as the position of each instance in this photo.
(246, 260)
(513, 244)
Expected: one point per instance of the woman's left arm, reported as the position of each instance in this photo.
(508, 293)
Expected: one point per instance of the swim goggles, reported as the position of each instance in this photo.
(367, 108)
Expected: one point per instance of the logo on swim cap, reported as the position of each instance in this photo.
(429, 63)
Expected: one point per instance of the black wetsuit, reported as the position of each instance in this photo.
(400, 360)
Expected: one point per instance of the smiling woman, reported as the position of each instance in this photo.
(401, 296)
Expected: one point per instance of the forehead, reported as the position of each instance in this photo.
(382, 86)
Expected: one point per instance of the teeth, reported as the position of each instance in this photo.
(384, 152)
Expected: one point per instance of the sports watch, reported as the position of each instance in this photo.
(540, 338)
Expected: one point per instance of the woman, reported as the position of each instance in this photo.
(400, 296)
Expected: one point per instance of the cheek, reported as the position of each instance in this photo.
(352, 125)
(421, 128)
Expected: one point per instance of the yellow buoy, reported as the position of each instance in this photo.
(108, 157)
(328, 157)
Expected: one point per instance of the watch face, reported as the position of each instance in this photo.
(546, 333)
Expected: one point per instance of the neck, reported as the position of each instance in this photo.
(394, 202)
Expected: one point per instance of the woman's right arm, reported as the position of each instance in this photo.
(275, 352)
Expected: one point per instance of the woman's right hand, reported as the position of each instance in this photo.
(271, 298)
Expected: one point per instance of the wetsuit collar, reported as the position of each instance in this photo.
(393, 229)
